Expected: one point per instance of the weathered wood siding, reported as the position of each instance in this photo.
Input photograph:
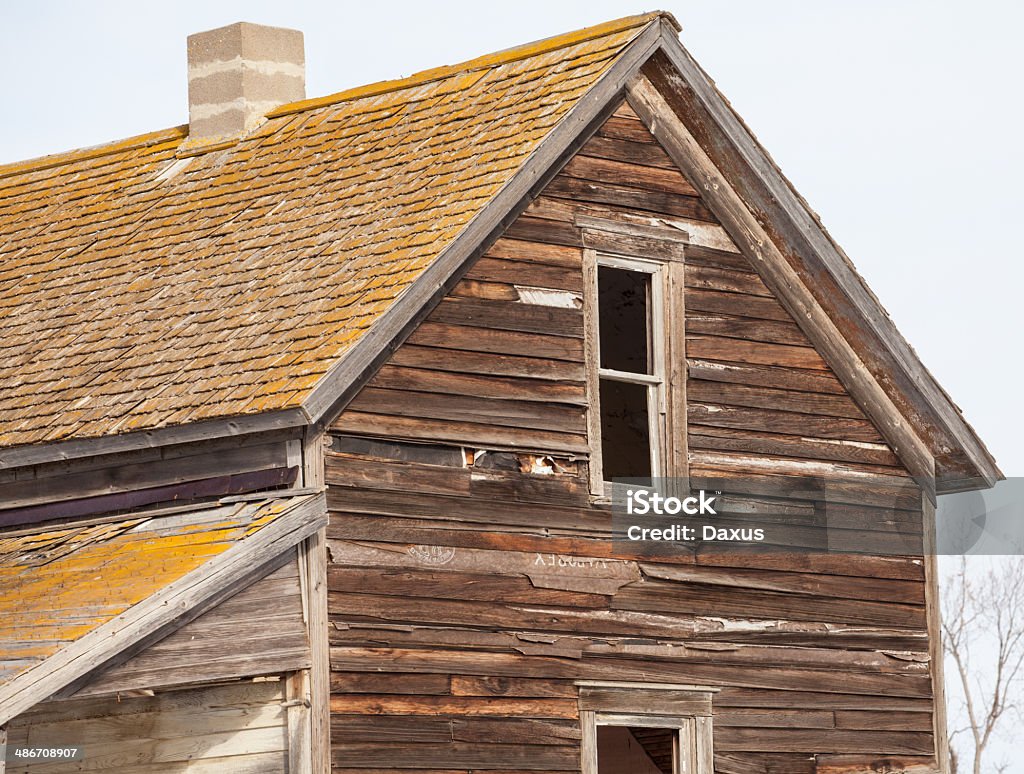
(229, 729)
(258, 631)
(471, 580)
(120, 481)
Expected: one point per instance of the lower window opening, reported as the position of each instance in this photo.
(635, 750)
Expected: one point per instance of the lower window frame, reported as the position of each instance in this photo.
(650, 706)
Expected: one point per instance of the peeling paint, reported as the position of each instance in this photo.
(559, 299)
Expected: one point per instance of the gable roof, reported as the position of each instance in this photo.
(188, 291)
(77, 596)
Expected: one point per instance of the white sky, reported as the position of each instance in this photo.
(899, 121)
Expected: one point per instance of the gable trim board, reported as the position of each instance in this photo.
(897, 389)
(804, 239)
(174, 605)
(769, 263)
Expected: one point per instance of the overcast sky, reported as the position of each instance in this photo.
(898, 121)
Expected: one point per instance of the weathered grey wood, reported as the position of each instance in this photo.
(780, 276)
(163, 611)
(705, 745)
(632, 226)
(588, 742)
(297, 703)
(258, 631)
(935, 650)
(127, 477)
(639, 701)
(315, 549)
(678, 436)
(239, 728)
(591, 348)
(686, 748)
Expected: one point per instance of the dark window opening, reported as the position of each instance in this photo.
(625, 430)
(630, 369)
(628, 750)
(624, 319)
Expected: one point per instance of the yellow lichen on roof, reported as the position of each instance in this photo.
(58, 585)
(134, 300)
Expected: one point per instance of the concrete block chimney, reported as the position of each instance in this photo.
(238, 73)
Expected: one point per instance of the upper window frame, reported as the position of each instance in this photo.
(655, 331)
(667, 411)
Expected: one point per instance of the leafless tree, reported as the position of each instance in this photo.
(983, 637)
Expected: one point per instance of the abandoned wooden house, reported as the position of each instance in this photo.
(307, 409)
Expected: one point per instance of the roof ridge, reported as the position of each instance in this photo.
(503, 56)
(94, 151)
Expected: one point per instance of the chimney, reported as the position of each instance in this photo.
(239, 73)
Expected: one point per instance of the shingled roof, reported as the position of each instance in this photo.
(150, 283)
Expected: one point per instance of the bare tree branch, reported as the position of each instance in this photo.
(983, 620)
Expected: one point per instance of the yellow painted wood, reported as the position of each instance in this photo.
(58, 585)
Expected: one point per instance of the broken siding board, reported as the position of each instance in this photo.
(512, 316)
